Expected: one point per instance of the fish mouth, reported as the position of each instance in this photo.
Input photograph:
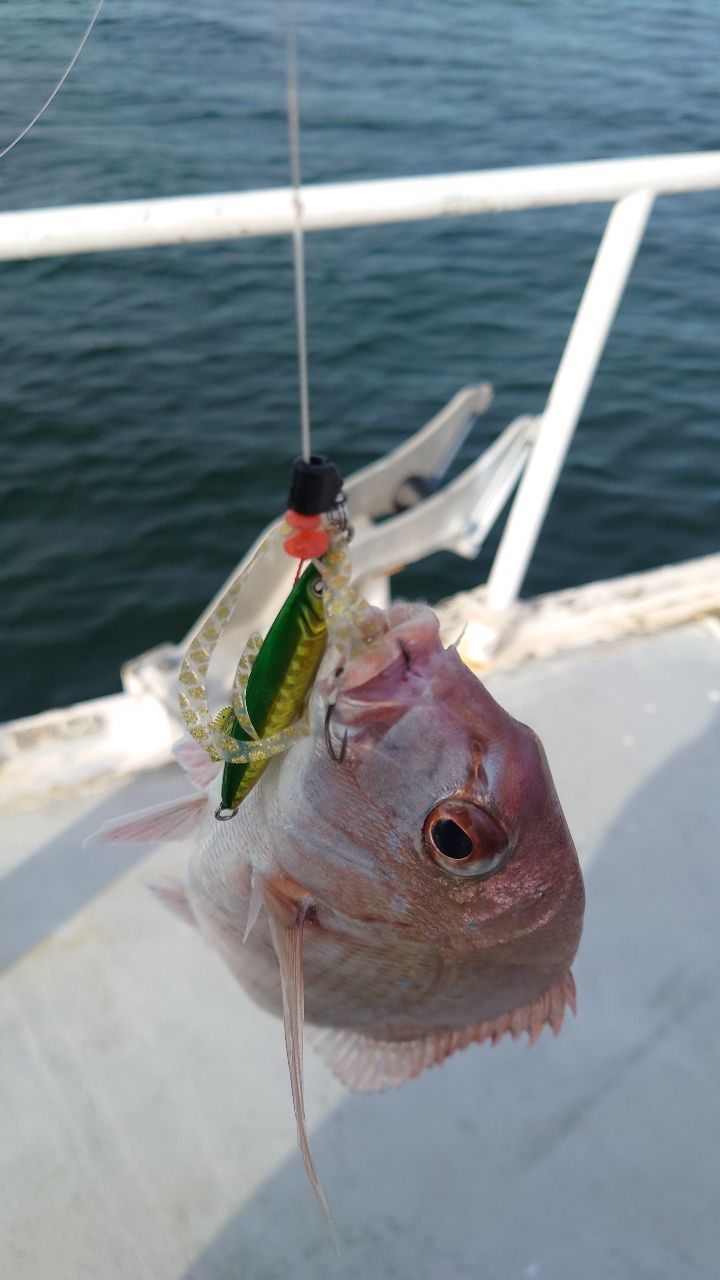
(390, 671)
(411, 636)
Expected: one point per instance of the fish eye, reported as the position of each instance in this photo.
(463, 839)
(317, 586)
(450, 840)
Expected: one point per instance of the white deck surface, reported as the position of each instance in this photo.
(146, 1124)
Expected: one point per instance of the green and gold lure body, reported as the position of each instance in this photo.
(274, 676)
(279, 681)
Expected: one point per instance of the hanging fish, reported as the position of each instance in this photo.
(402, 877)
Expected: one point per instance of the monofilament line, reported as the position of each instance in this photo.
(24, 132)
(293, 115)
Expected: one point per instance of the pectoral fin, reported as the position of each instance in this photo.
(170, 821)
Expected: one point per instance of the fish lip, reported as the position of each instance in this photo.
(388, 691)
(410, 638)
(356, 690)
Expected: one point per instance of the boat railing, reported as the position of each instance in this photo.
(629, 184)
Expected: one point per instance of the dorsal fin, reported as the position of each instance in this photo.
(367, 1065)
(287, 921)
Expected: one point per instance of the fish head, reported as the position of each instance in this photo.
(426, 805)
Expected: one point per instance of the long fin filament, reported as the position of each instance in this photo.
(287, 940)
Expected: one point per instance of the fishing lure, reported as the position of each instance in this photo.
(274, 675)
(272, 696)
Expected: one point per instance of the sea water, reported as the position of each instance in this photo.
(148, 400)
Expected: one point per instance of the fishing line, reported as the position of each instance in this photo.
(293, 118)
(24, 132)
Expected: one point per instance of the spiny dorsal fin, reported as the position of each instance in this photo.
(368, 1065)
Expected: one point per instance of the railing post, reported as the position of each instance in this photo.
(603, 291)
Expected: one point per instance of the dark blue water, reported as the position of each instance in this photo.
(148, 402)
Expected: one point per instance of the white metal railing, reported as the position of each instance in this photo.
(629, 184)
(580, 359)
(133, 224)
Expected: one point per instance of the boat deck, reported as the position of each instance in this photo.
(147, 1128)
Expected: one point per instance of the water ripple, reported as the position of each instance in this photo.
(148, 401)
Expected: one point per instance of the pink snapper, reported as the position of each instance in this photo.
(403, 878)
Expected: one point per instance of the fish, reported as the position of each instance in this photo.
(401, 883)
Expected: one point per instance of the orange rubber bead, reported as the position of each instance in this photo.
(307, 544)
(298, 521)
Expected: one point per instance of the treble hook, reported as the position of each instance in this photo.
(328, 737)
